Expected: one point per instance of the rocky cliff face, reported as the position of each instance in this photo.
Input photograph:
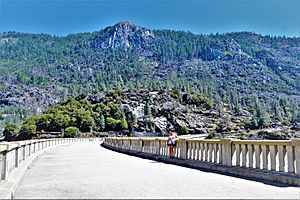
(158, 111)
(124, 35)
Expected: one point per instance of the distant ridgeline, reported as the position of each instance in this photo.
(38, 70)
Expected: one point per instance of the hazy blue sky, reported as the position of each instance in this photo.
(274, 17)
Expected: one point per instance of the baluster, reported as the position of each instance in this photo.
(215, 153)
(160, 148)
(190, 151)
(257, 156)
(201, 152)
(206, 151)
(273, 157)
(167, 150)
(194, 150)
(197, 151)
(153, 146)
(296, 145)
(290, 156)
(250, 154)
(220, 152)
(237, 153)
(210, 152)
(265, 156)
(244, 155)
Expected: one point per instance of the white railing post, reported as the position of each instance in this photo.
(226, 152)
(201, 150)
(17, 156)
(296, 145)
(29, 149)
(265, 156)
(157, 146)
(273, 157)
(290, 156)
(206, 151)
(257, 156)
(210, 149)
(24, 151)
(197, 150)
(3, 162)
(141, 144)
(183, 148)
(215, 152)
(237, 154)
(244, 154)
(250, 154)
(281, 156)
(194, 150)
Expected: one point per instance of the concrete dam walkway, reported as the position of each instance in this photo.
(86, 170)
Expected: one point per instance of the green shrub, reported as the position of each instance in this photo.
(241, 137)
(200, 99)
(71, 131)
(211, 136)
(110, 123)
(10, 132)
(27, 131)
(185, 130)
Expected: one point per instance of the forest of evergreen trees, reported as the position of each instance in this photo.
(241, 69)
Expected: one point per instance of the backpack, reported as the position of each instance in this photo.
(172, 139)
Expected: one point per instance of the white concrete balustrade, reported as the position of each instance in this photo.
(12, 154)
(272, 155)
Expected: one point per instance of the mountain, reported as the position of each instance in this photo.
(38, 70)
(124, 35)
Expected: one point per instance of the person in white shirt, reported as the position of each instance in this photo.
(172, 143)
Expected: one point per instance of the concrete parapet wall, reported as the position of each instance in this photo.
(269, 160)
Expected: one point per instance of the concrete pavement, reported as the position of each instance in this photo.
(86, 170)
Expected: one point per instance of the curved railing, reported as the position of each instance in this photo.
(12, 154)
(282, 156)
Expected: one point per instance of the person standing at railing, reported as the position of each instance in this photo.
(172, 142)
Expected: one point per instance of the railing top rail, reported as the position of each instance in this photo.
(148, 139)
(263, 142)
(137, 139)
(213, 141)
(200, 140)
(8, 146)
(3, 147)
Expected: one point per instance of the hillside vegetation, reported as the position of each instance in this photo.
(39, 70)
(140, 110)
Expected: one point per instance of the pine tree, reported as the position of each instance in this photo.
(264, 119)
(296, 116)
(260, 117)
(254, 122)
(277, 111)
(238, 109)
(102, 122)
(124, 124)
(147, 110)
